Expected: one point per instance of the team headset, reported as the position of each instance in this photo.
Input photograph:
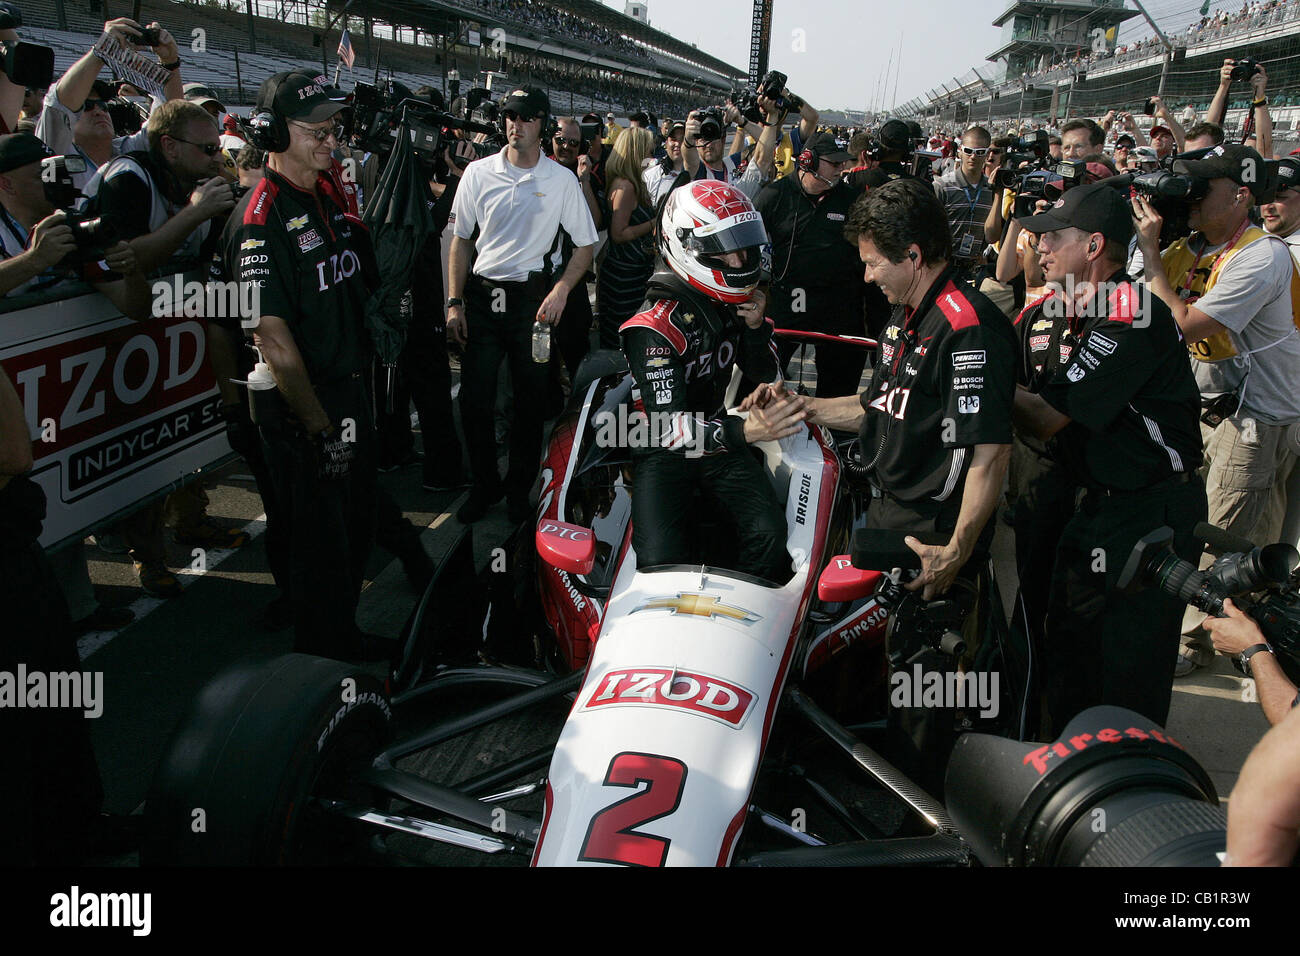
(268, 130)
(807, 163)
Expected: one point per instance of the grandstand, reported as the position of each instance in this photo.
(1055, 69)
(590, 57)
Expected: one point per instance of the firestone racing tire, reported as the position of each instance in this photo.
(261, 744)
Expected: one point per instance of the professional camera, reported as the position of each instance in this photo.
(1240, 570)
(378, 110)
(93, 234)
(1244, 69)
(712, 122)
(1163, 184)
(746, 101)
(1112, 790)
(129, 114)
(27, 64)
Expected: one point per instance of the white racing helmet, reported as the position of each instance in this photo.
(704, 220)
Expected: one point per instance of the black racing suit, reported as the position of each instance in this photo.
(681, 347)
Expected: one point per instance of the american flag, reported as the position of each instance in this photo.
(346, 53)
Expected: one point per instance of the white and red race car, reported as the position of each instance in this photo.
(673, 681)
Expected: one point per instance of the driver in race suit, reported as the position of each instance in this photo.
(702, 315)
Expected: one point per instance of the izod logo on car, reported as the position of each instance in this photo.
(665, 687)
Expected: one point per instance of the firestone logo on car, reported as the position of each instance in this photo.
(701, 694)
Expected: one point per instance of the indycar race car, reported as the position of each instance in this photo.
(676, 715)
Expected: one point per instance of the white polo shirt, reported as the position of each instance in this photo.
(518, 213)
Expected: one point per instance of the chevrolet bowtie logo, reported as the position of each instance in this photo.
(699, 605)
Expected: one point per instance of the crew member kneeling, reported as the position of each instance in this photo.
(701, 316)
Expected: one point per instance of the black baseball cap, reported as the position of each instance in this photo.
(528, 102)
(1288, 173)
(1097, 207)
(1124, 139)
(301, 95)
(895, 136)
(1241, 164)
(21, 149)
(823, 146)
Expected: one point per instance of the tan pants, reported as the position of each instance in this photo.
(1247, 466)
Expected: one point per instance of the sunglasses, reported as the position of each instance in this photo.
(979, 151)
(89, 105)
(516, 118)
(565, 141)
(321, 133)
(210, 149)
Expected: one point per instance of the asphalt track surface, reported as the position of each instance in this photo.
(154, 667)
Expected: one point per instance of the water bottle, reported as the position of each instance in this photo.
(541, 341)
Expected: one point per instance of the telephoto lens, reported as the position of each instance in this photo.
(1113, 790)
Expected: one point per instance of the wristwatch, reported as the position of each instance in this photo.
(455, 301)
(173, 66)
(1248, 653)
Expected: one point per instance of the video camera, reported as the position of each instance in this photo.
(93, 234)
(378, 110)
(1239, 570)
(26, 64)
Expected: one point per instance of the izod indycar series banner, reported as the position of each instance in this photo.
(118, 410)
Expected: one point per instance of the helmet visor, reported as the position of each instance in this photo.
(729, 235)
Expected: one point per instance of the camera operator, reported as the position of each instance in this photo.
(1131, 130)
(1237, 635)
(1129, 400)
(967, 200)
(75, 118)
(816, 276)
(890, 160)
(35, 238)
(1203, 136)
(1281, 217)
(1233, 302)
(1124, 144)
(517, 252)
(662, 174)
(163, 200)
(298, 236)
(1080, 137)
(1252, 73)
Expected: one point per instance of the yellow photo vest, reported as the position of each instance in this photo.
(1179, 260)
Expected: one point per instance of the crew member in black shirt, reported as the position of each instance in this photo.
(816, 277)
(891, 159)
(298, 236)
(935, 424)
(1125, 412)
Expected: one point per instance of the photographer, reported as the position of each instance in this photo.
(816, 275)
(36, 241)
(703, 143)
(1203, 136)
(163, 200)
(894, 148)
(1233, 302)
(662, 174)
(967, 200)
(1129, 400)
(1251, 72)
(75, 118)
(1081, 137)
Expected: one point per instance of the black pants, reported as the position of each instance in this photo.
(495, 336)
(662, 516)
(1043, 509)
(329, 524)
(573, 334)
(1103, 646)
(839, 367)
(51, 791)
